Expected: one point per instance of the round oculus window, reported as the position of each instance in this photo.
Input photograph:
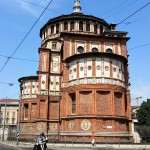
(80, 49)
(94, 49)
(109, 50)
(114, 69)
(81, 68)
(106, 68)
(43, 82)
(89, 67)
(98, 67)
(70, 71)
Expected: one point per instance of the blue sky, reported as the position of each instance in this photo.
(18, 16)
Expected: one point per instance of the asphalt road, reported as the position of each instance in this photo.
(5, 147)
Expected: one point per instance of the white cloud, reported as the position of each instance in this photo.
(28, 7)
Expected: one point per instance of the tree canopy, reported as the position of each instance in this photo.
(144, 114)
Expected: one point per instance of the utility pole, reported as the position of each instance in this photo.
(4, 121)
(137, 100)
(18, 124)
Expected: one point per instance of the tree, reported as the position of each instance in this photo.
(144, 114)
(144, 121)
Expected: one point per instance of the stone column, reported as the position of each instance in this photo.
(55, 29)
(49, 30)
(61, 26)
(98, 29)
(94, 67)
(84, 26)
(91, 27)
(69, 26)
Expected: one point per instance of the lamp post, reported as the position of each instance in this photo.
(18, 124)
(137, 100)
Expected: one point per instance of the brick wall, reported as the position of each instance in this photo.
(103, 103)
(54, 110)
(85, 105)
(118, 104)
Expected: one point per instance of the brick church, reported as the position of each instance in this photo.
(82, 84)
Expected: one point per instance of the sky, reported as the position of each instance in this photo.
(18, 16)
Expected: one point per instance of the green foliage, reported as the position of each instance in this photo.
(144, 121)
(144, 132)
(144, 114)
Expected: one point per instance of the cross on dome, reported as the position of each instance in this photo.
(77, 8)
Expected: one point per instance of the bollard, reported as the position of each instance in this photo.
(145, 143)
(106, 141)
(53, 143)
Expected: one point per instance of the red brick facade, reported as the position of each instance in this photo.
(82, 83)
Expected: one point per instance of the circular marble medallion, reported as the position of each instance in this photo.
(53, 126)
(32, 127)
(86, 125)
(41, 126)
(71, 125)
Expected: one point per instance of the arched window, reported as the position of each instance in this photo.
(101, 29)
(80, 49)
(109, 50)
(52, 29)
(94, 49)
(95, 28)
(66, 26)
(57, 27)
(72, 25)
(88, 26)
(81, 26)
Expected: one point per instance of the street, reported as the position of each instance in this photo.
(6, 147)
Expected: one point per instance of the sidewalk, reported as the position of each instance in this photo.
(73, 146)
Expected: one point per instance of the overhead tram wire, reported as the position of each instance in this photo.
(135, 20)
(25, 36)
(23, 59)
(116, 12)
(139, 46)
(41, 6)
(114, 8)
(133, 13)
